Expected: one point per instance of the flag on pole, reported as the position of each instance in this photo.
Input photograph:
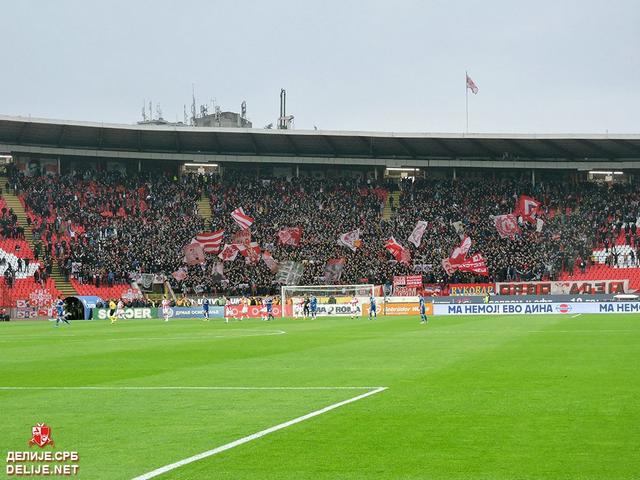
(418, 232)
(350, 239)
(211, 241)
(527, 208)
(471, 85)
(243, 220)
(228, 253)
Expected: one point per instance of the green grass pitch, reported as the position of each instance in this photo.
(512, 397)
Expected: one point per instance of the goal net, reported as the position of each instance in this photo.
(333, 300)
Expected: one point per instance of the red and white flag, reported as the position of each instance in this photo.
(251, 252)
(211, 241)
(228, 253)
(349, 239)
(460, 252)
(527, 208)
(270, 261)
(506, 225)
(475, 264)
(418, 232)
(471, 85)
(241, 237)
(290, 236)
(180, 274)
(193, 254)
(400, 253)
(447, 267)
(243, 220)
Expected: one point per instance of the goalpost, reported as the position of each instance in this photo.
(333, 300)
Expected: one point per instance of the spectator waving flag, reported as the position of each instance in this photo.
(460, 252)
(270, 261)
(210, 241)
(193, 254)
(418, 232)
(400, 253)
(471, 85)
(506, 225)
(350, 239)
(251, 252)
(527, 208)
(290, 236)
(475, 264)
(243, 220)
(228, 253)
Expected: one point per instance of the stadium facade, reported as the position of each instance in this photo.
(62, 145)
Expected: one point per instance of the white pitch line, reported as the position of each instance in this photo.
(576, 315)
(254, 436)
(177, 387)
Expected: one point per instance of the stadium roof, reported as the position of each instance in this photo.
(21, 134)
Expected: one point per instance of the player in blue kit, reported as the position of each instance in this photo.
(269, 303)
(372, 308)
(423, 310)
(314, 306)
(205, 309)
(61, 315)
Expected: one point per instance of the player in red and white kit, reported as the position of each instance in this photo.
(244, 308)
(354, 306)
(165, 308)
(120, 309)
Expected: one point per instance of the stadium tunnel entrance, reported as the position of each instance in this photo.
(81, 307)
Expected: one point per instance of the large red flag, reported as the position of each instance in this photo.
(506, 225)
(400, 253)
(527, 208)
(475, 264)
(460, 252)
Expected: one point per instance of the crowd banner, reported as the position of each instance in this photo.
(526, 299)
(574, 287)
(404, 285)
(536, 308)
(471, 289)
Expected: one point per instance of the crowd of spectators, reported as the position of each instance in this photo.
(103, 226)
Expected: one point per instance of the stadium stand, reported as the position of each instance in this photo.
(100, 227)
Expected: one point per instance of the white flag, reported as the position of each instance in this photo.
(349, 239)
(539, 224)
(418, 231)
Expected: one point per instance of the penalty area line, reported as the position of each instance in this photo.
(254, 436)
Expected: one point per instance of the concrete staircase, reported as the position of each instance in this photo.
(13, 202)
(204, 209)
(387, 213)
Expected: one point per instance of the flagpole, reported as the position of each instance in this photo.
(466, 100)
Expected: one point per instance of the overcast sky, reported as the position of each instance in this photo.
(541, 66)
